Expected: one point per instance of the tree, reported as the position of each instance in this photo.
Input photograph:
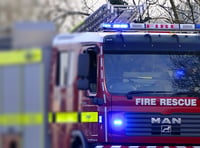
(20, 10)
(66, 13)
(171, 11)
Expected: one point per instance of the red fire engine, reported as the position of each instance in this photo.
(127, 85)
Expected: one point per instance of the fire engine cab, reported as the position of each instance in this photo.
(127, 85)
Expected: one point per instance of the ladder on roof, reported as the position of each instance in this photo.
(108, 13)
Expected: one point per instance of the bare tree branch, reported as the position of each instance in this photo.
(66, 13)
(191, 10)
(86, 5)
(167, 11)
(174, 11)
(197, 2)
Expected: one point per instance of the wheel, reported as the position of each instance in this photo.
(76, 143)
(78, 140)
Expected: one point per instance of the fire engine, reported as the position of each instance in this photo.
(126, 84)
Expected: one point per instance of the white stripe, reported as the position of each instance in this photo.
(117, 146)
(100, 146)
(196, 146)
(106, 130)
(102, 86)
(101, 50)
(102, 74)
(180, 146)
(101, 62)
(104, 97)
(133, 147)
(150, 146)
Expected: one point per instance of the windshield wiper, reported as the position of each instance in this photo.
(131, 93)
(186, 93)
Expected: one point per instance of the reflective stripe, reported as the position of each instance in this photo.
(50, 117)
(89, 116)
(72, 117)
(22, 56)
(21, 119)
(24, 119)
(66, 117)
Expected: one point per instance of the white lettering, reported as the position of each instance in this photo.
(137, 101)
(162, 102)
(153, 101)
(176, 120)
(187, 102)
(166, 121)
(181, 102)
(194, 102)
(178, 102)
(166, 101)
(155, 120)
(174, 102)
(145, 101)
(169, 103)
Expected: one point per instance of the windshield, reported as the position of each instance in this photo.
(152, 72)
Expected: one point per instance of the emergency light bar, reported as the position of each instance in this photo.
(140, 26)
(115, 26)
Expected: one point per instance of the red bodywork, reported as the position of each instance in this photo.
(65, 99)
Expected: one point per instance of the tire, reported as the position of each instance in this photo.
(78, 140)
(76, 143)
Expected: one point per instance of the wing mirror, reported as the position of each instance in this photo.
(83, 71)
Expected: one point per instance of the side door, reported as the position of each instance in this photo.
(89, 114)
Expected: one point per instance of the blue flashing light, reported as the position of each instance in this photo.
(121, 26)
(115, 26)
(117, 122)
(107, 25)
(197, 26)
(180, 73)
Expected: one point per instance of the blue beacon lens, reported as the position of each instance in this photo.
(117, 122)
(179, 74)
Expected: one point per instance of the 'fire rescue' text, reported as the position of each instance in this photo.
(165, 101)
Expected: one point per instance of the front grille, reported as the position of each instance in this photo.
(140, 124)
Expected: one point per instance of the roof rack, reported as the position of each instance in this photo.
(108, 13)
